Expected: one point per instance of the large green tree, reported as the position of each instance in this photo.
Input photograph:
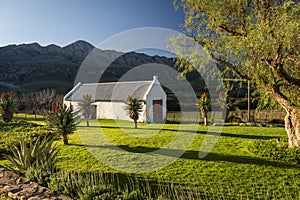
(256, 40)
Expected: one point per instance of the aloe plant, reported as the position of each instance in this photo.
(133, 107)
(40, 153)
(62, 120)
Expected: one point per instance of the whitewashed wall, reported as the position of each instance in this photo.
(115, 110)
(74, 104)
(156, 93)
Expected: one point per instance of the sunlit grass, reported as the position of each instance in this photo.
(229, 164)
(229, 170)
(37, 119)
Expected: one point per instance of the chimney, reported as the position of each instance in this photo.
(155, 80)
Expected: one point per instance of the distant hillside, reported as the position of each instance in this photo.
(29, 67)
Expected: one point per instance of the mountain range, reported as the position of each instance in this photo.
(30, 67)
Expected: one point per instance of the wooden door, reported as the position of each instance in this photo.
(94, 112)
(157, 110)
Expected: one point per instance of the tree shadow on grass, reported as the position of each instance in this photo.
(193, 155)
(262, 137)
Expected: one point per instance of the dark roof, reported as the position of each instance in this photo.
(112, 91)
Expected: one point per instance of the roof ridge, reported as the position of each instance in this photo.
(116, 82)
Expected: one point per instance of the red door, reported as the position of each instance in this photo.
(94, 112)
(157, 110)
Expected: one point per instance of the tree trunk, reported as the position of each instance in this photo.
(7, 116)
(291, 120)
(204, 116)
(65, 139)
(292, 127)
(225, 114)
(87, 122)
(205, 121)
(135, 124)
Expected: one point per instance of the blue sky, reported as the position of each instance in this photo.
(64, 21)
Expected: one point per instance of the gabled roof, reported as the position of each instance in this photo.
(111, 91)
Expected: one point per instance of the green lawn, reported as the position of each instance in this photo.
(229, 164)
(37, 119)
(230, 170)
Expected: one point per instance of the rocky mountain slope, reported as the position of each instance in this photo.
(28, 67)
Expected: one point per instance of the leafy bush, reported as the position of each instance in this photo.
(4, 197)
(275, 150)
(277, 121)
(234, 118)
(38, 154)
(40, 175)
(8, 106)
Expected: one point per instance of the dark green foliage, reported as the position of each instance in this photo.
(256, 41)
(40, 174)
(4, 197)
(8, 106)
(277, 121)
(234, 118)
(61, 121)
(275, 150)
(38, 154)
(134, 106)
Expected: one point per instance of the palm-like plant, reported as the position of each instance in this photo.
(8, 106)
(133, 107)
(85, 107)
(204, 106)
(62, 120)
(40, 154)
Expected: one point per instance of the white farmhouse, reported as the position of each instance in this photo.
(109, 99)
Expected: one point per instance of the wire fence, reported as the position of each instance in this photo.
(194, 117)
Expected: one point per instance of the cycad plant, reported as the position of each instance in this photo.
(38, 154)
(204, 106)
(62, 120)
(133, 107)
(8, 106)
(86, 107)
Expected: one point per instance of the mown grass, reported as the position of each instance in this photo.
(32, 118)
(229, 165)
(230, 170)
